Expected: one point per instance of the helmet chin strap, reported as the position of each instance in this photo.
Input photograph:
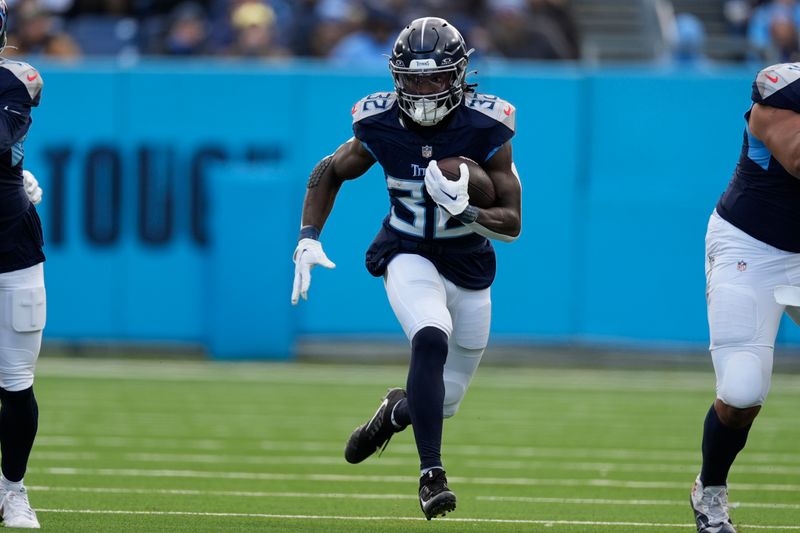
(427, 113)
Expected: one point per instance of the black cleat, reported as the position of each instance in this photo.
(435, 497)
(710, 506)
(375, 434)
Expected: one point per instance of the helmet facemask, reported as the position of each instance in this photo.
(426, 92)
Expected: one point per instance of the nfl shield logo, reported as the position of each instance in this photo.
(427, 152)
(741, 266)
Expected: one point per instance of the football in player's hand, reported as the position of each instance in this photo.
(481, 188)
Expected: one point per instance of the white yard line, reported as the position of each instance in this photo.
(790, 460)
(372, 496)
(231, 493)
(682, 468)
(269, 476)
(347, 375)
(394, 518)
(66, 456)
(617, 502)
(252, 459)
(685, 468)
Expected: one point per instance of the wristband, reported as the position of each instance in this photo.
(468, 215)
(309, 232)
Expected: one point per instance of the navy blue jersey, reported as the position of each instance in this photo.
(477, 128)
(762, 198)
(20, 228)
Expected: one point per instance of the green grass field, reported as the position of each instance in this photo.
(201, 447)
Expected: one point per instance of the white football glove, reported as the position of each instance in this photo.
(451, 195)
(31, 185)
(307, 254)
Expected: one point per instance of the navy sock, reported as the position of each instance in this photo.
(401, 416)
(720, 446)
(425, 388)
(19, 420)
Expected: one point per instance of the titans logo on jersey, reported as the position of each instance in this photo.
(477, 128)
(20, 228)
(762, 197)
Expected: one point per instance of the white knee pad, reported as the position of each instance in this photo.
(743, 375)
(458, 371)
(23, 311)
(16, 370)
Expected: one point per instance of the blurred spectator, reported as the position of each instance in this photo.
(317, 26)
(772, 30)
(371, 42)
(305, 20)
(479, 38)
(737, 14)
(37, 31)
(688, 43)
(783, 47)
(101, 7)
(558, 13)
(536, 29)
(187, 33)
(53, 6)
(254, 31)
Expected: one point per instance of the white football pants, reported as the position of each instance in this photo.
(743, 316)
(421, 297)
(23, 311)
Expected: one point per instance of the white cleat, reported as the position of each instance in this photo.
(16, 509)
(710, 506)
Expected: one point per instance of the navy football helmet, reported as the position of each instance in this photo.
(429, 66)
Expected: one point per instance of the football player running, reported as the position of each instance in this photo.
(752, 277)
(22, 294)
(432, 250)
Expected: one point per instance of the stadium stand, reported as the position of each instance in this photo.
(723, 42)
(620, 30)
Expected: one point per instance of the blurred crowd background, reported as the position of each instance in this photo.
(359, 32)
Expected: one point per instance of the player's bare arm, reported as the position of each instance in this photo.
(779, 130)
(348, 162)
(504, 219)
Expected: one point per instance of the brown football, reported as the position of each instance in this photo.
(481, 188)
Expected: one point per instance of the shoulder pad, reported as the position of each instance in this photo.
(26, 74)
(493, 107)
(774, 78)
(373, 104)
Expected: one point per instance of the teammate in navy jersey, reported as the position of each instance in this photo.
(22, 294)
(432, 249)
(752, 277)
